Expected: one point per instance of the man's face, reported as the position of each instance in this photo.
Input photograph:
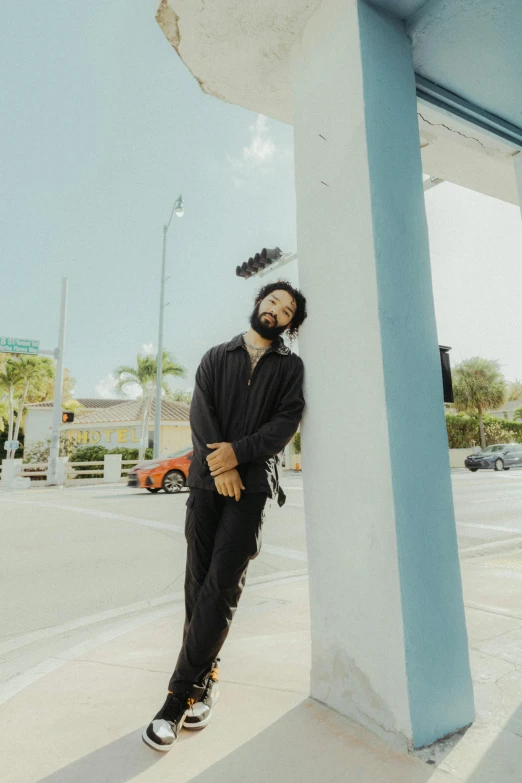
(273, 314)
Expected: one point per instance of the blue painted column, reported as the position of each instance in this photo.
(389, 641)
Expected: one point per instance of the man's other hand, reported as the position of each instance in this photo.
(229, 484)
(222, 459)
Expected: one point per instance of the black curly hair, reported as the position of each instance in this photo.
(300, 301)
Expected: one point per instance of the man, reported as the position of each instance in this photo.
(247, 405)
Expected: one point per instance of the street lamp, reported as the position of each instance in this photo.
(179, 210)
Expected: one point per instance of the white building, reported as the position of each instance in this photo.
(112, 424)
(39, 415)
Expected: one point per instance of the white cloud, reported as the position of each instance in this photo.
(261, 148)
(148, 349)
(106, 389)
(259, 154)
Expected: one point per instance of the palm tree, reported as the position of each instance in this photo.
(9, 383)
(478, 386)
(3, 416)
(144, 374)
(33, 372)
(20, 377)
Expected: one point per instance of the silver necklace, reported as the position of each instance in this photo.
(253, 347)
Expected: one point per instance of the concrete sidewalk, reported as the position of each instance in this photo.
(82, 721)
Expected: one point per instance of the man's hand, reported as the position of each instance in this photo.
(222, 459)
(229, 484)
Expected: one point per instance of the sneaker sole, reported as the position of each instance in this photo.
(147, 740)
(197, 726)
(162, 748)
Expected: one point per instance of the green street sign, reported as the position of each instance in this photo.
(18, 345)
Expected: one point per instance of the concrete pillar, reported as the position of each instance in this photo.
(11, 475)
(59, 477)
(111, 468)
(389, 641)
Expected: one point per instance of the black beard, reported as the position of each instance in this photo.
(263, 330)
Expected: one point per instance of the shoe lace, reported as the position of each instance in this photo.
(212, 678)
(183, 701)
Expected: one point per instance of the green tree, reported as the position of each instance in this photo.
(178, 395)
(9, 386)
(39, 450)
(514, 390)
(517, 413)
(34, 372)
(21, 377)
(144, 375)
(4, 416)
(46, 392)
(478, 386)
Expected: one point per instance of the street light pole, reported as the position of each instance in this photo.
(178, 208)
(54, 450)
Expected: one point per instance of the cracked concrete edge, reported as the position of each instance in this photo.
(452, 130)
(168, 21)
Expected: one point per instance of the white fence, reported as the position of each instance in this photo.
(111, 469)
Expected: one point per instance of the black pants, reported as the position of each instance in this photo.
(223, 534)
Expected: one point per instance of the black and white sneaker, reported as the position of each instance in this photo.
(162, 732)
(201, 713)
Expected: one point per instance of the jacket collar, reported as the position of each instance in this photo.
(277, 346)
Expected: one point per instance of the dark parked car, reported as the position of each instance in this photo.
(501, 456)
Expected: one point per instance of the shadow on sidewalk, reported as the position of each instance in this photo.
(502, 758)
(121, 761)
(312, 743)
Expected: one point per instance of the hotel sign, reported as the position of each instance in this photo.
(106, 436)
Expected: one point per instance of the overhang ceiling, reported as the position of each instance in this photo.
(240, 52)
(458, 152)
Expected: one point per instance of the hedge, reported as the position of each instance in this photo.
(462, 429)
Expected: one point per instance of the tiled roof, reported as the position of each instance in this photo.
(87, 402)
(132, 411)
(96, 402)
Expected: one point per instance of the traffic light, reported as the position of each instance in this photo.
(260, 261)
(447, 385)
(67, 417)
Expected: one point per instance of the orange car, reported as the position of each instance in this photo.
(167, 473)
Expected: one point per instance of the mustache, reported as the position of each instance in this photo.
(274, 318)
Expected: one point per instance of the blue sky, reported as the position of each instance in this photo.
(103, 127)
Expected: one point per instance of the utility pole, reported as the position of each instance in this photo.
(159, 358)
(54, 452)
(177, 209)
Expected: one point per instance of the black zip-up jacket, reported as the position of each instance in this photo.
(257, 415)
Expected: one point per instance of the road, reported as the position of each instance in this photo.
(84, 564)
(488, 510)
